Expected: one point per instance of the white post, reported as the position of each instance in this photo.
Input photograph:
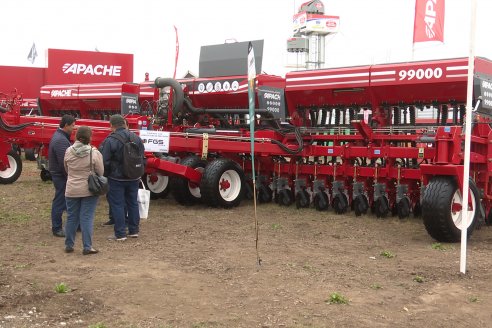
(468, 117)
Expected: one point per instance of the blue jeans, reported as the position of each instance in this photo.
(124, 194)
(58, 206)
(80, 210)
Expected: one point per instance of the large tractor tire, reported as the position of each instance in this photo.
(222, 183)
(442, 212)
(185, 192)
(12, 173)
(30, 154)
(158, 184)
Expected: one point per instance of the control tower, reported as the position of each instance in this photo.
(310, 28)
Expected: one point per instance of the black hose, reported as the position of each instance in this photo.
(13, 128)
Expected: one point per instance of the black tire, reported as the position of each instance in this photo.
(30, 154)
(265, 194)
(439, 220)
(360, 205)
(417, 210)
(340, 203)
(184, 192)
(45, 175)
(403, 208)
(302, 199)
(381, 207)
(222, 183)
(11, 174)
(321, 201)
(285, 198)
(158, 184)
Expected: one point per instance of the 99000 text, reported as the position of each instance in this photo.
(420, 74)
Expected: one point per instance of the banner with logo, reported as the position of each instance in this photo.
(73, 66)
(155, 141)
(429, 21)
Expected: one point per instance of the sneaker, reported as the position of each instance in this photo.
(108, 223)
(90, 251)
(116, 238)
(59, 233)
(68, 249)
(133, 235)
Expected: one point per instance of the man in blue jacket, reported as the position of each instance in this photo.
(123, 191)
(56, 153)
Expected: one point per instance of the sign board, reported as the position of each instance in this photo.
(482, 87)
(155, 141)
(73, 66)
(315, 23)
(273, 100)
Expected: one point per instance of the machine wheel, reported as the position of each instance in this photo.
(222, 183)
(321, 201)
(30, 154)
(360, 205)
(185, 192)
(417, 210)
(302, 199)
(340, 203)
(403, 208)
(442, 212)
(285, 197)
(12, 173)
(157, 183)
(265, 194)
(45, 175)
(381, 207)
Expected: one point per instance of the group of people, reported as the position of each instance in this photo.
(70, 166)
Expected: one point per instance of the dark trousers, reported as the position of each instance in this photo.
(59, 205)
(124, 194)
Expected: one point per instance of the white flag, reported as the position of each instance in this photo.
(32, 54)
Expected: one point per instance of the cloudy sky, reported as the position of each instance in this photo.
(371, 31)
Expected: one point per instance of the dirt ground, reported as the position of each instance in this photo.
(196, 267)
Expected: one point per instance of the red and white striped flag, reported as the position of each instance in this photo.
(429, 21)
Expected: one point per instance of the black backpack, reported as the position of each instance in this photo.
(133, 163)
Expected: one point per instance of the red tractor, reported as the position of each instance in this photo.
(382, 138)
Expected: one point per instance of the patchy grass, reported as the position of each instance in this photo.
(98, 325)
(276, 226)
(439, 247)
(62, 288)
(387, 254)
(376, 286)
(14, 218)
(337, 298)
(473, 299)
(418, 279)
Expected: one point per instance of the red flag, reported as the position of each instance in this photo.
(429, 21)
(177, 52)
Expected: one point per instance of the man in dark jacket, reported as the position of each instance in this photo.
(56, 153)
(123, 190)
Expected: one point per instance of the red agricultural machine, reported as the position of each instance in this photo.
(381, 138)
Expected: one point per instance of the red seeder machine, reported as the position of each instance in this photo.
(356, 138)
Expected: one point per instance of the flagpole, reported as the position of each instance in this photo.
(252, 120)
(468, 117)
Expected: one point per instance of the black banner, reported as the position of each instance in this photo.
(129, 103)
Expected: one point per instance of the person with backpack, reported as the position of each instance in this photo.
(124, 165)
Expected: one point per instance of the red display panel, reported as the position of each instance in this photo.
(73, 66)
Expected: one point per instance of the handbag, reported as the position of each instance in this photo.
(98, 185)
(143, 199)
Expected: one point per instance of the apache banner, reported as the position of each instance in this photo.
(429, 21)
